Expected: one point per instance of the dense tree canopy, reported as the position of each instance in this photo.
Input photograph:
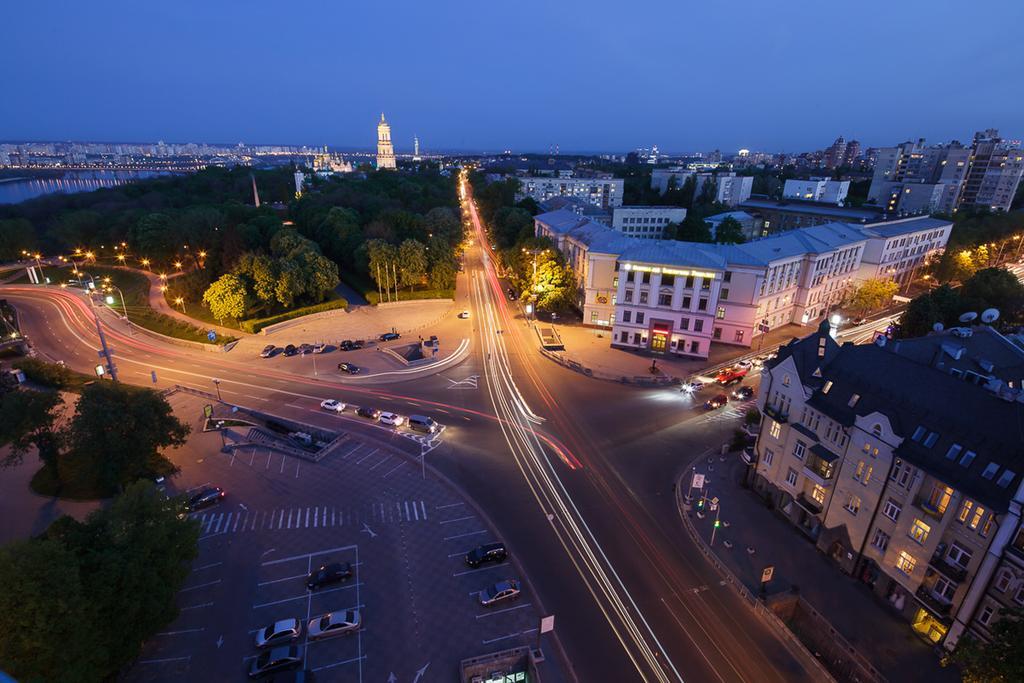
(990, 288)
(1001, 660)
(872, 295)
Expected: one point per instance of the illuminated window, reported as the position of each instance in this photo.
(906, 562)
(979, 512)
(919, 531)
(818, 494)
(853, 504)
(776, 428)
(965, 511)
(828, 385)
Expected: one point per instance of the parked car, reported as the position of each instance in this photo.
(422, 423)
(389, 336)
(693, 387)
(859, 320)
(282, 632)
(334, 624)
(489, 552)
(277, 659)
(348, 345)
(327, 574)
(349, 368)
(371, 413)
(743, 393)
(731, 375)
(305, 348)
(464, 315)
(290, 350)
(268, 351)
(319, 348)
(716, 401)
(499, 592)
(333, 405)
(204, 499)
(391, 419)
(512, 294)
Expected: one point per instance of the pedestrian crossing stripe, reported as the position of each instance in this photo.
(215, 523)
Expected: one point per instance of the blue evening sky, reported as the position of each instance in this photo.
(598, 75)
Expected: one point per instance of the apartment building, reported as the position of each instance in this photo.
(791, 214)
(993, 174)
(646, 222)
(914, 178)
(663, 179)
(896, 460)
(602, 192)
(817, 190)
(730, 189)
(896, 249)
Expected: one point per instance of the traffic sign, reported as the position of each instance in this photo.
(208, 410)
(714, 501)
(698, 481)
(766, 574)
(547, 624)
(211, 335)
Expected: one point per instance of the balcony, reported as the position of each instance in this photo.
(748, 455)
(776, 414)
(928, 508)
(809, 504)
(752, 430)
(942, 564)
(939, 607)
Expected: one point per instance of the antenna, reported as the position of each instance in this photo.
(989, 316)
(967, 317)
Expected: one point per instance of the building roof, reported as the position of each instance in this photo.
(918, 399)
(839, 213)
(986, 352)
(904, 226)
(741, 216)
(575, 204)
(672, 253)
(816, 239)
(561, 220)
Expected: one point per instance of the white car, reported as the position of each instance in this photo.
(745, 364)
(334, 624)
(279, 633)
(332, 405)
(319, 348)
(392, 419)
(464, 315)
(693, 387)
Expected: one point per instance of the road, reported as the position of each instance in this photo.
(576, 473)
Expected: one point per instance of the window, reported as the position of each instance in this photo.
(906, 562)
(944, 589)
(987, 526)
(727, 277)
(698, 325)
(647, 278)
(919, 531)
(853, 504)
(892, 509)
(939, 498)
(979, 512)
(791, 477)
(968, 458)
(990, 470)
(768, 455)
(775, 429)
(684, 323)
(828, 385)
(1005, 478)
(918, 434)
(880, 540)
(702, 305)
(689, 282)
(853, 400)
(902, 474)
(859, 472)
(636, 337)
(593, 316)
(1018, 597)
(627, 316)
(717, 333)
(720, 312)
(965, 511)
(785, 380)
(986, 615)
(867, 475)
(639, 317)
(695, 346)
(931, 439)
(724, 295)
(629, 296)
(818, 494)
(686, 302)
(799, 449)
(738, 336)
(624, 337)
(629, 275)
(664, 299)
(959, 555)
(668, 280)
(954, 451)
(1003, 580)
(705, 283)
(643, 297)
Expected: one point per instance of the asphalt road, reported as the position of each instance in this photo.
(575, 472)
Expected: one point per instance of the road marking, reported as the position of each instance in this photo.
(227, 523)
(333, 512)
(347, 661)
(471, 533)
(380, 463)
(202, 585)
(308, 555)
(178, 633)
(238, 517)
(457, 519)
(162, 661)
(450, 505)
(316, 515)
(307, 517)
(288, 578)
(366, 456)
(406, 511)
(395, 469)
(207, 566)
(511, 635)
(280, 520)
(297, 463)
(423, 507)
(205, 604)
(502, 611)
(366, 529)
(289, 519)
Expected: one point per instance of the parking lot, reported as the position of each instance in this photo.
(366, 504)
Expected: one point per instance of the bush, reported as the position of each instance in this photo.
(256, 324)
(416, 295)
(52, 374)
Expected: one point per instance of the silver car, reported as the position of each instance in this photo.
(334, 624)
(499, 592)
(281, 632)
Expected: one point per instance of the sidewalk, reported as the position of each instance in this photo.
(591, 348)
(882, 637)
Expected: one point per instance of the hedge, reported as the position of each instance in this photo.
(52, 374)
(406, 295)
(256, 324)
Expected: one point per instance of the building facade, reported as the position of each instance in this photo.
(603, 192)
(646, 222)
(897, 249)
(891, 458)
(993, 174)
(817, 190)
(385, 150)
(663, 179)
(730, 190)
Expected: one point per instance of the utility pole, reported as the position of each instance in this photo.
(103, 342)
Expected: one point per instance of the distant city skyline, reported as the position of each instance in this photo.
(748, 76)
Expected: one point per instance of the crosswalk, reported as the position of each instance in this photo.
(733, 411)
(216, 522)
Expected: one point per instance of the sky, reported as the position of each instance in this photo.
(586, 76)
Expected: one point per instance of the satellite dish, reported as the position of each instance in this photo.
(968, 317)
(989, 316)
(938, 327)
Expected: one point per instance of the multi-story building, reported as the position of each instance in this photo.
(836, 153)
(896, 249)
(602, 192)
(751, 224)
(852, 157)
(993, 173)
(914, 178)
(896, 460)
(730, 190)
(385, 150)
(663, 179)
(646, 222)
(789, 214)
(817, 190)
(579, 207)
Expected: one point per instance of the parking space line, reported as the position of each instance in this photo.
(305, 555)
(316, 514)
(307, 594)
(423, 507)
(209, 523)
(163, 661)
(178, 633)
(360, 460)
(289, 519)
(333, 514)
(458, 519)
(471, 533)
(207, 566)
(331, 666)
(380, 463)
(227, 523)
(358, 445)
(481, 569)
(325, 515)
(407, 518)
(502, 611)
(282, 464)
(287, 578)
(511, 635)
(205, 604)
(237, 518)
(281, 519)
(450, 505)
(307, 518)
(395, 468)
(297, 463)
(202, 585)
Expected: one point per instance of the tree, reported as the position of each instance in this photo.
(260, 275)
(941, 305)
(708, 192)
(289, 281)
(412, 263)
(227, 297)
(694, 229)
(154, 235)
(27, 420)
(872, 294)
(16, 235)
(994, 288)
(381, 256)
(955, 266)
(555, 285)
(729, 231)
(442, 275)
(999, 661)
(118, 431)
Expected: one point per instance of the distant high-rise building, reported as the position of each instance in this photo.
(835, 154)
(993, 173)
(852, 156)
(385, 151)
(416, 148)
(913, 178)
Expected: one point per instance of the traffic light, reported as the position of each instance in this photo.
(717, 524)
(700, 504)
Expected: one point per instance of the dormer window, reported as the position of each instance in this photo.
(968, 458)
(931, 439)
(853, 400)
(828, 385)
(1006, 478)
(918, 434)
(953, 451)
(990, 470)
(877, 429)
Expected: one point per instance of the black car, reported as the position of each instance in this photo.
(389, 336)
(277, 659)
(268, 351)
(512, 294)
(364, 411)
(328, 574)
(743, 393)
(349, 345)
(305, 348)
(490, 552)
(290, 350)
(205, 499)
(716, 402)
(349, 368)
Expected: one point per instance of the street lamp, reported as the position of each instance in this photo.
(145, 262)
(180, 302)
(216, 383)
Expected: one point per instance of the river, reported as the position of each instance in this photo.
(14, 190)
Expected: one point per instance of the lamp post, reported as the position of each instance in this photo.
(124, 309)
(216, 383)
(180, 301)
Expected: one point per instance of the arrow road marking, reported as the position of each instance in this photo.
(392, 678)
(220, 641)
(367, 529)
(419, 672)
